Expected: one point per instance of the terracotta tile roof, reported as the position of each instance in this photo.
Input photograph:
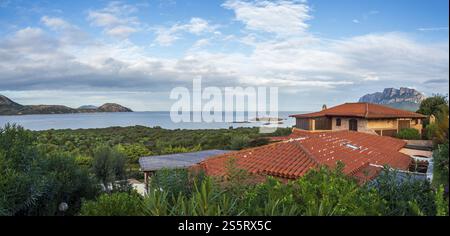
(355, 150)
(362, 154)
(362, 110)
(285, 160)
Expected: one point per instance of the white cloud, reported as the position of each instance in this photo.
(55, 23)
(116, 19)
(433, 29)
(121, 31)
(201, 43)
(281, 17)
(197, 26)
(297, 61)
(166, 37)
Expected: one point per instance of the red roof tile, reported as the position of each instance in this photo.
(362, 110)
(361, 153)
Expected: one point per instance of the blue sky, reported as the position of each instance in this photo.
(134, 52)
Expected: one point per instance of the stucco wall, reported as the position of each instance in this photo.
(388, 127)
(418, 126)
(362, 125)
(383, 124)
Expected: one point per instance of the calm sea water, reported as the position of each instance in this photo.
(104, 120)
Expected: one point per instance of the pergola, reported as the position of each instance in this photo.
(149, 165)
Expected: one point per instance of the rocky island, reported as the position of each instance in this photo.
(9, 107)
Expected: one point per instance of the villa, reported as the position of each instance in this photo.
(289, 158)
(360, 117)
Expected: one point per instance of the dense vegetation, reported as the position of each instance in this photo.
(86, 169)
(433, 105)
(35, 183)
(319, 193)
(138, 141)
(438, 132)
(409, 134)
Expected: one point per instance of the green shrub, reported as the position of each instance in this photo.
(84, 161)
(109, 167)
(35, 183)
(432, 105)
(404, 195)
(330, 193)
(175, 182)
(66, 182)
(409, 134)
(116, 204)
(133, 152)
(431, 130)
(441, 165)
(239, 142)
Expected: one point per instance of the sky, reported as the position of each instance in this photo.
(135, 52)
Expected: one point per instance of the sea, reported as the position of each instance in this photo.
(148, 119)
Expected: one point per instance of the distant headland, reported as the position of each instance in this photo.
(9, 107)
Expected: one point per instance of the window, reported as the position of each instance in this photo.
(338, 122)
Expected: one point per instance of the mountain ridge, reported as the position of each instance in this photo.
(9, 107)
(403, 98)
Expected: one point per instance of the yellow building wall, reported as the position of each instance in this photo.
(385, 127)
(383, 124)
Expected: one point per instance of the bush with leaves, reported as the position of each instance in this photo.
(21, 184)
(409, 134)
(109, 167)
(66, 182)
(442, 126)
(405, 195)
(175, 182)
(432, 105)
(33, 183)
(321, 192)
(326, 192)
(239, 142)
(115, 204)
(133, 152)
(441, 165)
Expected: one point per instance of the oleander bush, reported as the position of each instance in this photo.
(321, 192)
(409, 134)
(33, 182)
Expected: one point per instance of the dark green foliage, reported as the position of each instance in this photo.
(328, 193)
(138, 140)
(432, 105)
(133, 152)
(175, 182)
(405, 196)
(16, 147)
(33, 183)
(430, 131)
(320, 193)
(239, 142)
(442, 126)
(409, 134)
(21, 184)
(108, 166)
(65, 182)
(441, 165)
(116, 204)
